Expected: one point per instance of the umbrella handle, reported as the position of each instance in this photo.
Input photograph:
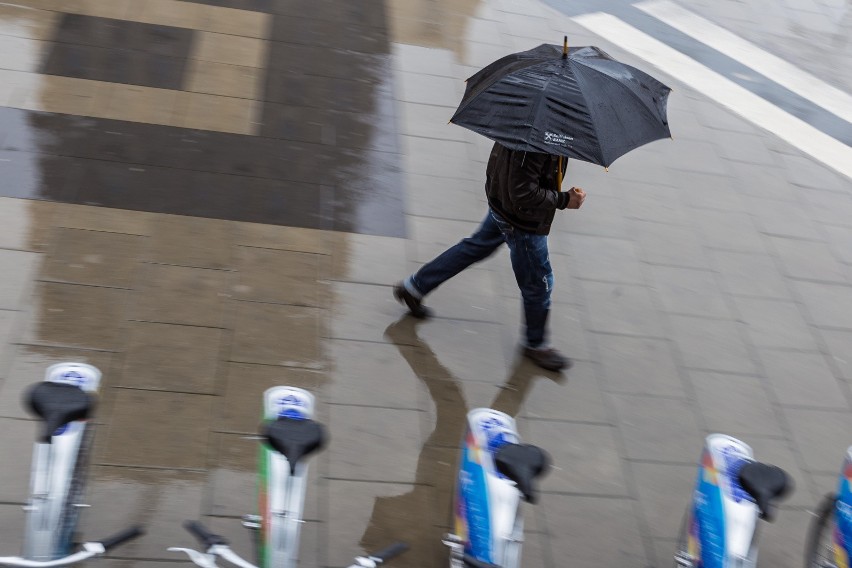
(564, 47)
(559, 173)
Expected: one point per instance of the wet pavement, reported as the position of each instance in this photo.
(204, 110)
(207, 199)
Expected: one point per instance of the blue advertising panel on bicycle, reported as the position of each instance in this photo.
(842, 534)
(473, 517)
(709, 514)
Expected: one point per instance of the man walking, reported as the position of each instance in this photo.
(523, 196)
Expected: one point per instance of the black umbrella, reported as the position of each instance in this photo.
(578, 103)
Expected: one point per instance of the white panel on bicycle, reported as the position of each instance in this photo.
(80, 375)
(503, 498)
(283, 401)
(741, 512)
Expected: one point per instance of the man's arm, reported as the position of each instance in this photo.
(524, 189)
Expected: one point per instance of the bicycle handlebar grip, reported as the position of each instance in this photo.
(392, 551)
(203, 535)
(122, 537)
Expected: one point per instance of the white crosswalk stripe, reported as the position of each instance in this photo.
(757, 110)
(743, 51)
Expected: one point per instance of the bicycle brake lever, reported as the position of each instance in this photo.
(198, 558)
(94, 547)
(231, 556)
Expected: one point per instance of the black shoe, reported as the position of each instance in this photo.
(549, 359)
(415, 306)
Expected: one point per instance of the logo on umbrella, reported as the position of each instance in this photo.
(557, 139)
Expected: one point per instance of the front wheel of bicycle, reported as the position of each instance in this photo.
(819, 549)
(682, 558)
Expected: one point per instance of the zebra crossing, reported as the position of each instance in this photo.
(827, 145)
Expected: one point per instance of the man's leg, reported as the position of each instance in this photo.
(531, 264)
(470, 250)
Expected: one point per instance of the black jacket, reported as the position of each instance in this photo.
(522, 188)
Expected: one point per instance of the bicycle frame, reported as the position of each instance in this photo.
(488, 526)
(53, 472)
(281, 494)
(721, 523)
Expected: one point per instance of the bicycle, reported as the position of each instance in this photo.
(732, 492)
(829, 542)
(289, 435)
(496, 472)
(63, 403)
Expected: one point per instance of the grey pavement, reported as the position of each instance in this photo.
(705, 286)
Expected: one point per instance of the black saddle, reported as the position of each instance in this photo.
(58, 404)
(294, 438)
(765, 483)
(471, 562)
(523, 464)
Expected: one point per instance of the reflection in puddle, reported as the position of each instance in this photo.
(402, 517)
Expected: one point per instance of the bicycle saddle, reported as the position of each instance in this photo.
(294, 438)
(765, 483)
(523, 464)
(58, 404)
(471, 562)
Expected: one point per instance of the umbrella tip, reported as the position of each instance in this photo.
(564, 47)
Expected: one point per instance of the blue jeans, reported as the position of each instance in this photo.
(530, 262)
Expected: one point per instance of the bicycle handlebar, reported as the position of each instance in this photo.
(392, 551)
(19, 562)
(203, 535)
(89, 550)
(217, 545)
(121, 537)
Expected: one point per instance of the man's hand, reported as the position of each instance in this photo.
(576, 196)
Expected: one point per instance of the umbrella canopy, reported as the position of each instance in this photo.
(580, 104)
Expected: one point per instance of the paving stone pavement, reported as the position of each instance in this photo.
(704, 286)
